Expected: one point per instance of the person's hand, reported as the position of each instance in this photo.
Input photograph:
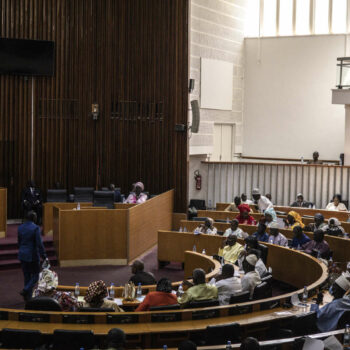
(242, 254)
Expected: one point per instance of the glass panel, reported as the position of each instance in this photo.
(302, 25)
(321, 16)
(251, 26)
(339, 16)
(269, 18)
(286, 17)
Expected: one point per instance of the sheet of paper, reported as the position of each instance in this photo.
(313, 344)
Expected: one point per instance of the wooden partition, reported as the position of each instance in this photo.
(3, 212)
(146, 219)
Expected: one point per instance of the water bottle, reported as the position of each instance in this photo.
(302, 159)
(227, 220)
(180, 290)
(181, 230)
(346, 341)
(346, 235)
(185, 229)
(194, 248)
(209, 204)
(111, 291)
(228, 345)
(318, 254)
(165, 347)
(78, 206)
(139, 291)
(77, 290)
(305, 295)
(298, 247)
(203, 251)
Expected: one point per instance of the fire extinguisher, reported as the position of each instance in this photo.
(198, 179)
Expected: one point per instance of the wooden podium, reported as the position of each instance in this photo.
(3, 212)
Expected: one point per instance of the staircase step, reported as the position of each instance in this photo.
(10, 254)
(15, 264)
(14, 245)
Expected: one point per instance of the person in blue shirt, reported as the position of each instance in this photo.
(117, 195)
(261, 234)
(329, 315)
(299, 238)
(30, 249)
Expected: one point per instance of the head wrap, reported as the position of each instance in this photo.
(300, 195)
(343, 283)
(211, 221)
(274, 224)
(96, 292)
(271, 211)
(297, 218)
(252, 259)
(255, 191)
(335, 220)
(48, 281)
(139, 184)
(244, 208)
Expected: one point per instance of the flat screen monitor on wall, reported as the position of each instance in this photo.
(27, 57)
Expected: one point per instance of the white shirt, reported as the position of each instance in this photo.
(249, 281)
(340, 207)
(260, 267)
(248, 201)
(226, 288)
(239, 233)
(264, 203)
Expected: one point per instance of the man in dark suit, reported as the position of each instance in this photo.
(32, 200)
(30, 249)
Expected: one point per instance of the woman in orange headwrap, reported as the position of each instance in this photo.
(294, 219)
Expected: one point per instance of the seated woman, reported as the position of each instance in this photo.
(294, 219)
(261, 234)
(299, 238)
(162, 296)
(48, 282)
(234, 229)
(234, 206)
(334, 228)
(318, 247)
(244, 218)
(95, 297)
(137, 196)
(318, 224)
(207, 227)
(270, 216)
(336, 204)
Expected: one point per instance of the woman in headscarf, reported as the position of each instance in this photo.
(207, 227)
(96, 297)
(244, 217)
(48, 282)
(162, 296)
(294, 219)
(334, 228)
(137, 196)
(270, 216)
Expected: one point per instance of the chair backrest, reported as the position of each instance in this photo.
(165, 307)
(344, 319)
(43, 304)
(104, 189)
(96, 309)
(198, 204)
(202, 303)
(240, 297)
(21, 338)
(221, 334)
(54, 195)
(83, 194)
(264, 251)
(305, 324)
(71, 340)
(262, 291)
(104, 199)
(198, 218)
(267, 278)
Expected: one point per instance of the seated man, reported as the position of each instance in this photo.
(244, 217)
(32, 200)
(319, 224)
(251, 278)
(200, 290)
(276, 237)
(251, 242)
(300, 202)
(140, 276)
(299, 238)
(162, 296)
(260, 267)
(245, 200)
(315, 159)
(262, 202)
(227, 284)
(234, 229)
(231, 249)
(207, 228)
(261, 234)
(137, 196)
(329, 315)
(318, 246)
(234, 206)
(117, 195)
(334, 228)
(116, 339)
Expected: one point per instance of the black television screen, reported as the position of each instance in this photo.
(26, 57)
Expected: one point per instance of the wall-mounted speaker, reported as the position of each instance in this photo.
(195, 116)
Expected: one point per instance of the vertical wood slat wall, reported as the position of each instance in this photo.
(130, 57)
(318, 183)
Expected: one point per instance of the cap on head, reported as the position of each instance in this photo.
(274, 224)
(343, 283)
(255, 191)
(251, 259)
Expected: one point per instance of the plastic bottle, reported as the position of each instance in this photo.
(194, 248)
(78, 206)
(209, 204)
(227, 220)
(111, 291)
(203, 251)
(346, 235)
(181, 230)
(302, 159)
(346, 341)
(305, 295)
(139, 291)
(77, 290)
(180, 290)
(228, 345)
(165, 347)
(185, 229)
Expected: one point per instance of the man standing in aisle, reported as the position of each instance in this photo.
(262, 202)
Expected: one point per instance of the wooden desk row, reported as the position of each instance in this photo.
(339, 246)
